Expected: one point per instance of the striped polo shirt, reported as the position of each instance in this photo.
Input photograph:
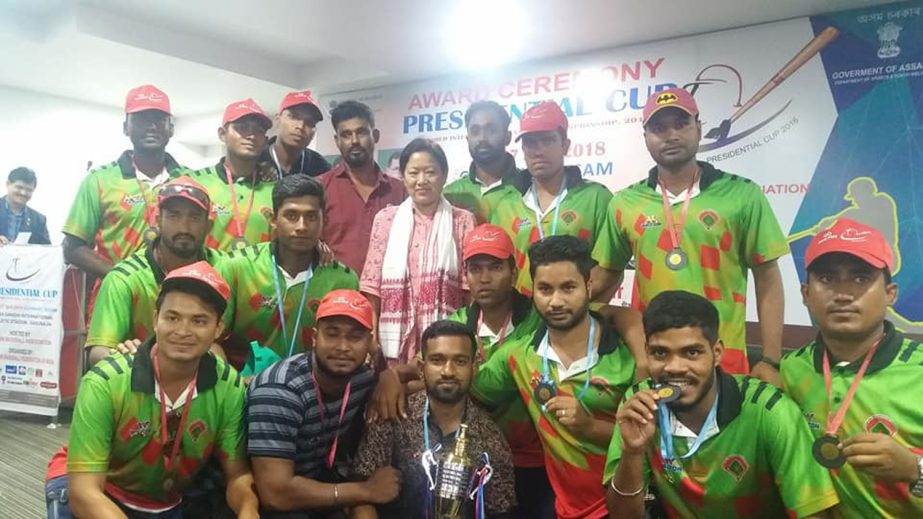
(284, 419)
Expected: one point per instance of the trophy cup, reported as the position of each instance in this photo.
(452, 479)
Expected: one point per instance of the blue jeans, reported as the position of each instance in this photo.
(58, 508)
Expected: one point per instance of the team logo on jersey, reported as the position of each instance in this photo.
(220, 210)
(568, 216)
(650, 221)
(519, 223)
(267, 302)
(880, 424)
(708, 218)
(812, 423)
(133, 200)
(136, 429)
(736, 466)
(196, 429)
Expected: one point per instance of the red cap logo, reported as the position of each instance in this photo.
(854, 238)
(670, 98)
(203, 272)
(240, 109)
(146, 97)
(346, 303)
(302, 97)
(543, 117)
(487, 239)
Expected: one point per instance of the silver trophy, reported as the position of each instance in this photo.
(454, 480)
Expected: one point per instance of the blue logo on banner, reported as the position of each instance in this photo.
(11, 369)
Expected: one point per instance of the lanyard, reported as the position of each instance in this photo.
(676, 234)
(666, 436)
(164, 434)
(426, 426)
(275, 158)
(834, 421)
(304, 293)
(323, 424)
(149, 213)
(558, 200)
(239, 228)
(546, 345)
(500, 338)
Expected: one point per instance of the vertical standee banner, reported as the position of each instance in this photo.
(824, 113)
(31, 281)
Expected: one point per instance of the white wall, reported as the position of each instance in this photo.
(56, 137)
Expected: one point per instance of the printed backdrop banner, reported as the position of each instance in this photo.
(31, 280)
(823, 112)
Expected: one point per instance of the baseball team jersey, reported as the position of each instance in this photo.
(582, 214)
(511, 417)
(887, 401)
(759, 464)
(729, 228)
(467, 192)
(574, 465)
(254, 309)
(125, 305)
(112, 209)
(116, 428)
(255, 223)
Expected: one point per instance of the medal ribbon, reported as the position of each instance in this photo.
(149, 213)
(500, 338)
(666, 435)
(320, 406)
(239, 228)
(558, 200)
(546, 345)
(164, 434)
(304, 293)
(676, 234)
(834, 421)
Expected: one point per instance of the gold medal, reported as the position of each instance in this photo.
(544, 391)
(668, 393)
(239, 244)
(676, 259)
(150, 234)
(826, 450)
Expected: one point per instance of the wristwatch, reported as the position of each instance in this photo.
(772, 363)
(917, 488)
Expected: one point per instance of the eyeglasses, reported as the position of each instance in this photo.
(180, 189)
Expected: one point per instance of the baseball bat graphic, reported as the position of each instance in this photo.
(804, 55)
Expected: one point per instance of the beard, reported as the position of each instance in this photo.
(182, 251)
(322, 366)
(446, 393)
(569, 324)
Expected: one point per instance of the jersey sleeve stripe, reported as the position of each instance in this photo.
(773, 400)
(227, 372)
(99, 372)
(237, 380)
(121, 270)
(115, 365)
(758, 392)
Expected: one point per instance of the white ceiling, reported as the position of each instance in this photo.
(207, 53)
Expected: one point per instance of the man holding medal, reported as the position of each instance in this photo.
(114, 213)
(442, 420)
(550, 198)
(714, 444)
(125, 306)
(277, 285)
(692, 227)
(145, 424)
(570, 374)
(240, 184)
(858, 383)
(303, 412)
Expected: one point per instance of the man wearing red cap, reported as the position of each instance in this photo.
(125, 306)
(240, 186)
(858, 383)
(303, 411)
(552, 199)
(145, 424)
(115, 207)
(356, 188)
(695, 228)
(296, 124)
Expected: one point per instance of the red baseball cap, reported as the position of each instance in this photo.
(487, 239)
(348, 303)
(671, 98)
(199, 272)
(243, 108)
(854, 238)
(301, 97)
(185, 187)
(146, 97)
(543, 117)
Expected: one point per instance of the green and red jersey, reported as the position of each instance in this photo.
(467, 192)
(511, 417)
(729, 228)
(125, 304)
(116, 428)
(113, 208)
(227, 215)
(758, 464)
(582, 214)
(889, 400)
(254, 310)
(574, 465)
